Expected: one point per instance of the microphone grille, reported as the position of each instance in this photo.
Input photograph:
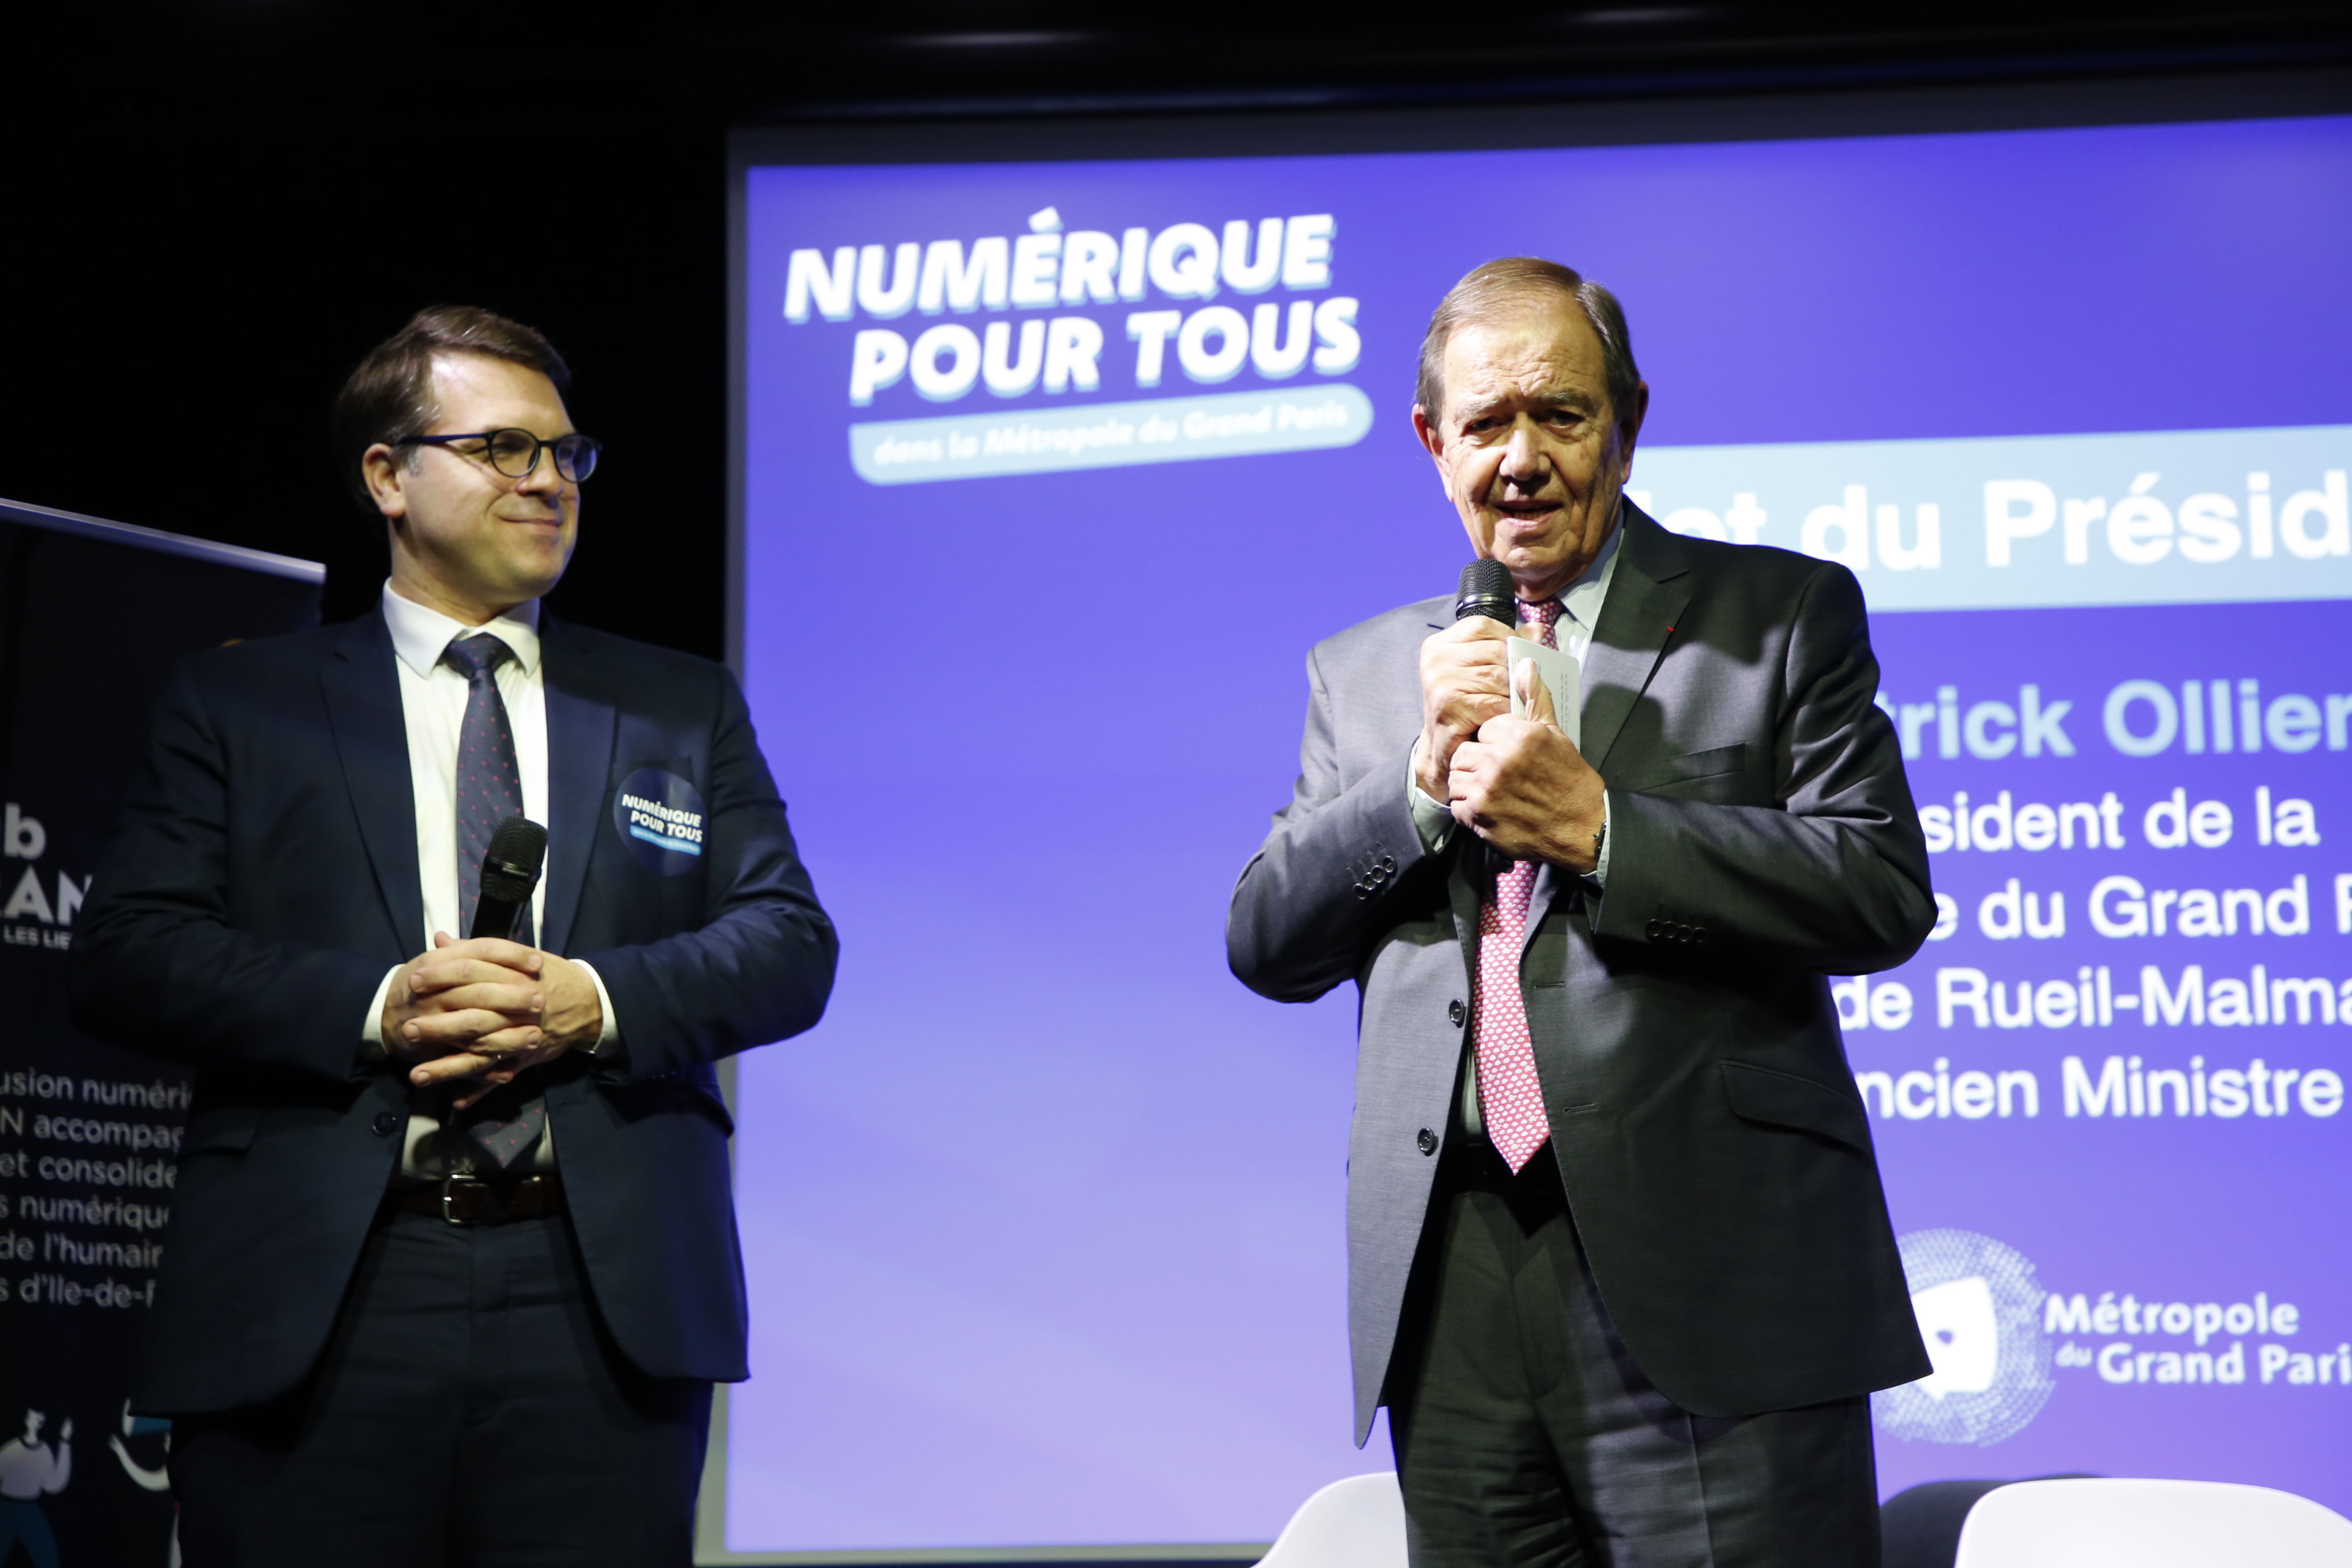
(511, 865)
(1486, 590)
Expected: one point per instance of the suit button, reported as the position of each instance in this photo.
(1426, 1140)
(1388, 864)
(1453, 1013)
(1655, 930)
(385, 1124)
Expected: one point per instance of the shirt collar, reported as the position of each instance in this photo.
(420, 634)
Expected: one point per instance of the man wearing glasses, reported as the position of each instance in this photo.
(452, 1264)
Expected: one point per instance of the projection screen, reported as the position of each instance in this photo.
(1052, 468)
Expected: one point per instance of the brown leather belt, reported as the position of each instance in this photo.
(466, 1200)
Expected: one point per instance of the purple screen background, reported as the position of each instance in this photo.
(1043, 1224)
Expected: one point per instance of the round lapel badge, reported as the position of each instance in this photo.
(660, 818)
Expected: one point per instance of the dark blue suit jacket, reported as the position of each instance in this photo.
(264, 878)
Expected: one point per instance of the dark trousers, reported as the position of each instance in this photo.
(469, 1409)
(1526, 1436)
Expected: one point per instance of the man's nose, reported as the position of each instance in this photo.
(544, 477)
(1522, 458)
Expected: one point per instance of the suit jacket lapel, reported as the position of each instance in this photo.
(1645, 600)
(362, 685)
(580, 726)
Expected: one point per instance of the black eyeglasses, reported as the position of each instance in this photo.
(515, 453)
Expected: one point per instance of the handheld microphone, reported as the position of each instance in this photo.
(510, 868)
(1486, 590)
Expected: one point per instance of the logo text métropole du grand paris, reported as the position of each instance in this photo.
(1997, 1339)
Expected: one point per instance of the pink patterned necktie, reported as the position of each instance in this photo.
(1510, 1099)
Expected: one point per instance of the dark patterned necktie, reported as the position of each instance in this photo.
(489, 781)
(490, 790)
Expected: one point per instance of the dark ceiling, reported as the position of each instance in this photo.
(853, 57)
(846, 58)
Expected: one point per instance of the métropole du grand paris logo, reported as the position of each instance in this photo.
(1997, 1340)
(1979, 1309)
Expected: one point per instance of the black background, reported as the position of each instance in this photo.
(210, 210)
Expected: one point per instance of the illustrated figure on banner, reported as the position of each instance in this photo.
(31, 1471)
(157, 1479)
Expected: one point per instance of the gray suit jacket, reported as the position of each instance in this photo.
(1715, 1154)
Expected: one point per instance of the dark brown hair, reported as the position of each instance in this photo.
(1484, 290)
(389, 396)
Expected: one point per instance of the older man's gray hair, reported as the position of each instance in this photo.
(1486, 291)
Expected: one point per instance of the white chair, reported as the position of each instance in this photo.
(2151, 1524)
(1355, 1524)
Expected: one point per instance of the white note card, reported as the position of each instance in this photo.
(1562, 677)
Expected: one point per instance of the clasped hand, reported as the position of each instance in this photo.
(484, 1010)
(1519, 784)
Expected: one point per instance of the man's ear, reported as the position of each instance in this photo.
(383, 471)
(1629, 425)
(1432, 439)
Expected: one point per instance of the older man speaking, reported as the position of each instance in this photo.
(1620, 1266)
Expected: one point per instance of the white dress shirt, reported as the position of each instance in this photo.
(433, 706)
(1433, 820)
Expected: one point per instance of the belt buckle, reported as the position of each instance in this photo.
(448, 1190)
